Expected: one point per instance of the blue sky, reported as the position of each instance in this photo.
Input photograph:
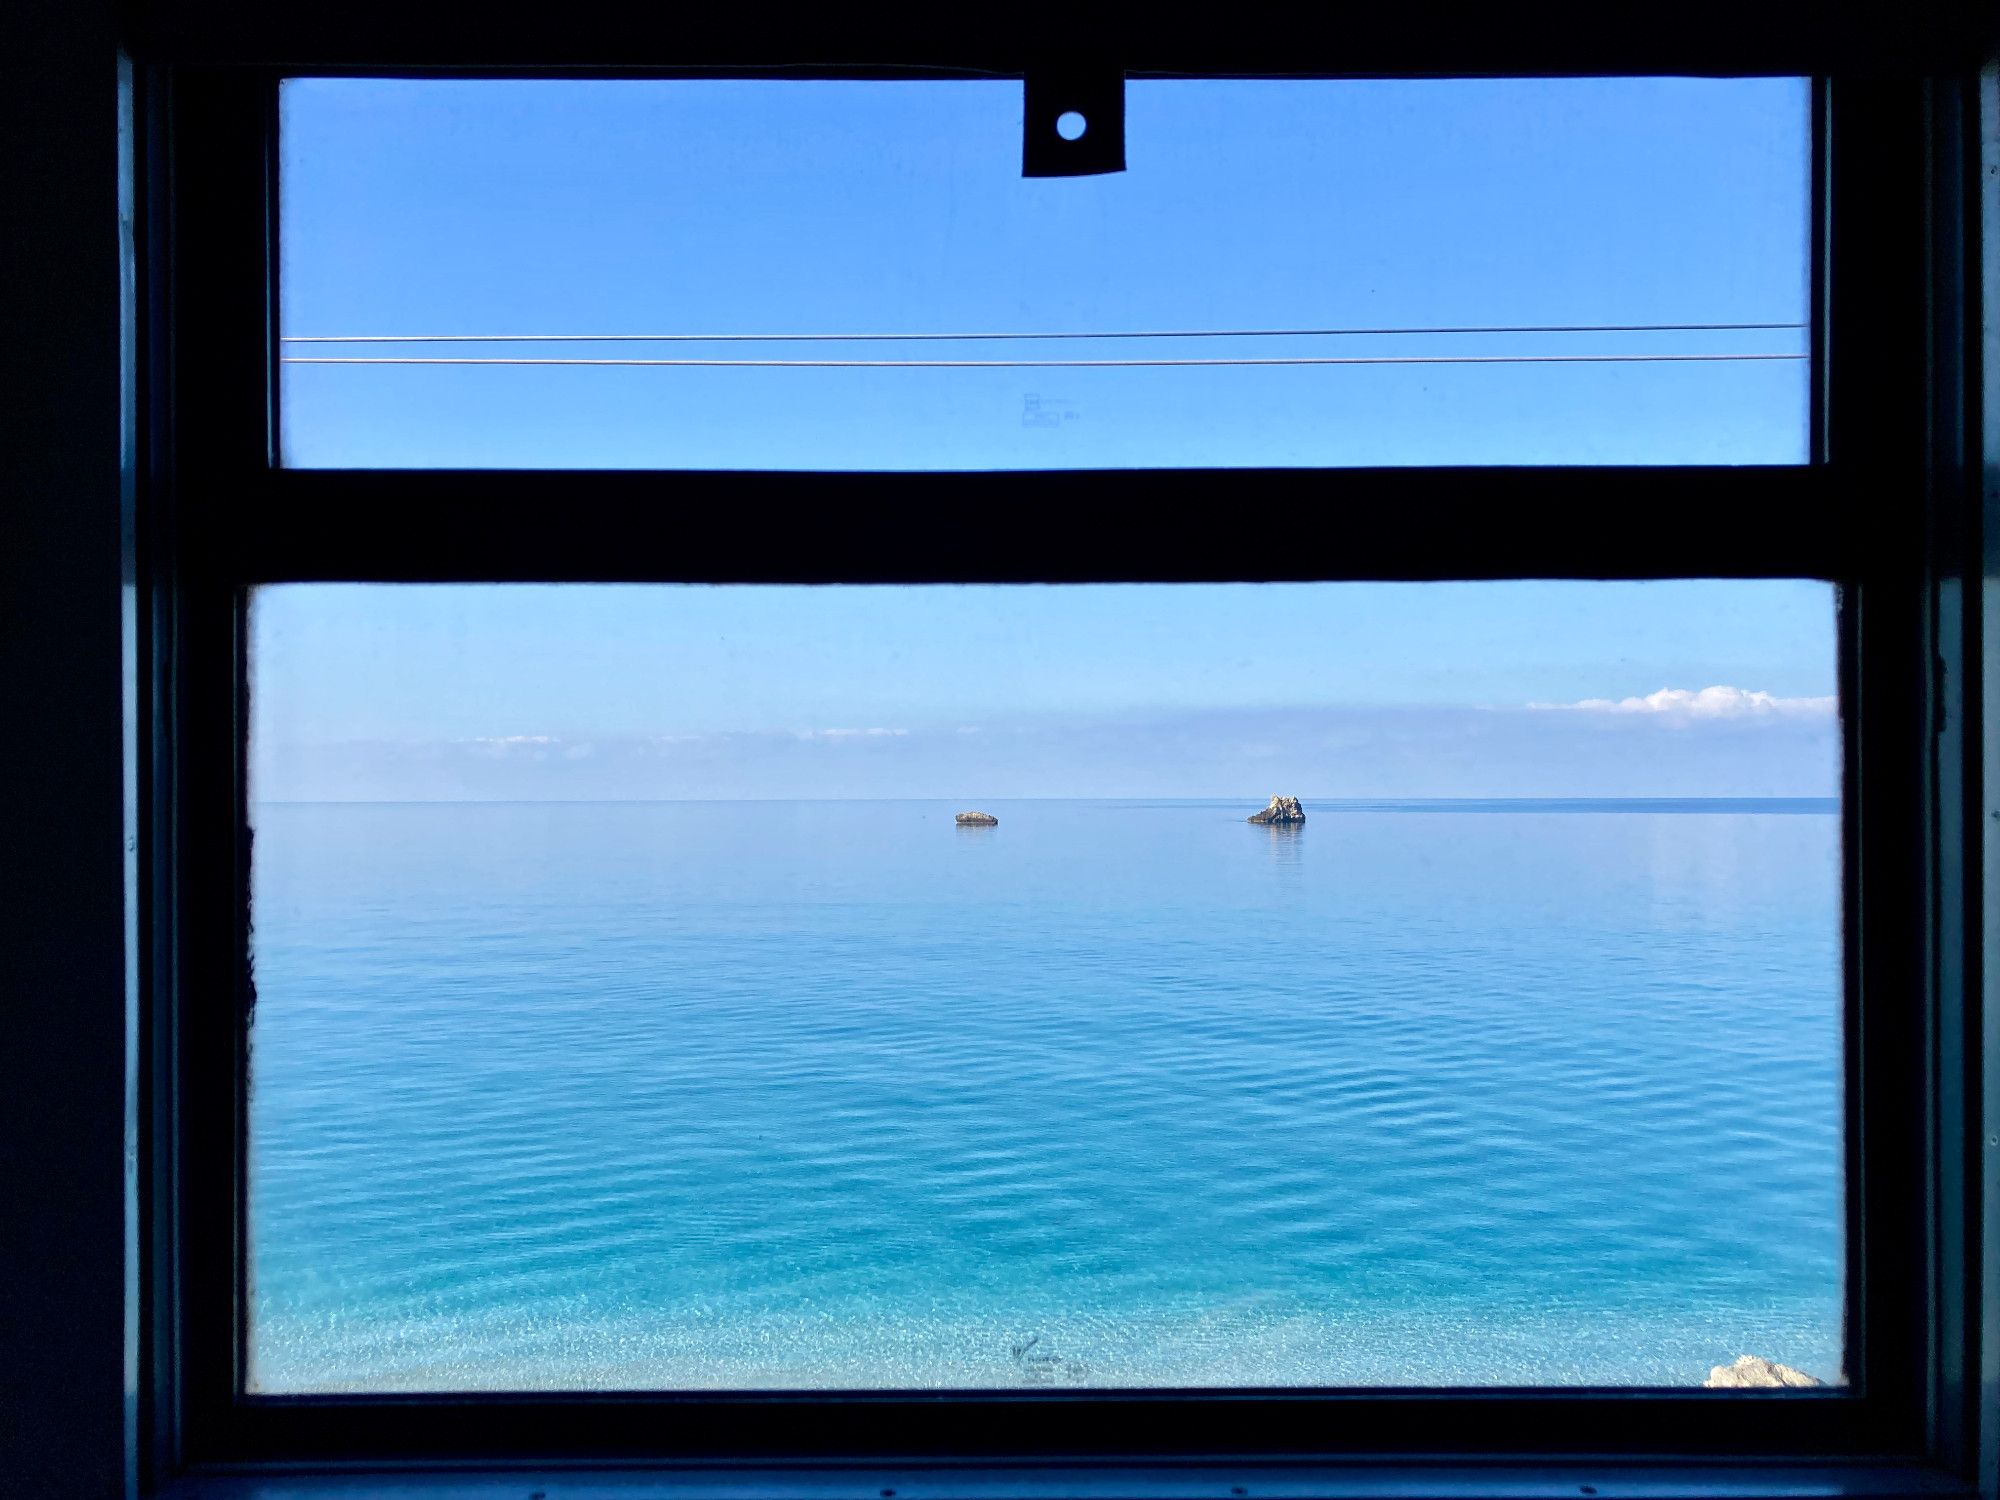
(425, 208)
(508, 208)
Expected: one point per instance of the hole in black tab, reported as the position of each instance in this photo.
(1073, 121)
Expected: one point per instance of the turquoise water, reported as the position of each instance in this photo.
(666, 1095)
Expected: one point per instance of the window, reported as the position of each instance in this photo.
(630, 274)
(622, 1023)
(1757, 479)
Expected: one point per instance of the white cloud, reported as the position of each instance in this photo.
(1719, 702)
(533, 746)
(849, 734)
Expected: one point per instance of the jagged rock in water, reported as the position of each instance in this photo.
(1281, 810)
(977, 820)
(1752, 1373)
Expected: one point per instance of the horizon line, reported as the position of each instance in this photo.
(1348, 801)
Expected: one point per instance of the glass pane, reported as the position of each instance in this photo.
(636, 1008)
(855, 275)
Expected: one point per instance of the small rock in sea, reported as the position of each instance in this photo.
(977, 820)
(1281, 810)
(1751, 1372)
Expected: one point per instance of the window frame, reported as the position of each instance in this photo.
(1896, 321)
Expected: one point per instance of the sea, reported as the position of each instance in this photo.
(842, 1095)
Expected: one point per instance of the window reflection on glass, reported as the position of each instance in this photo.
(846, 275)
(1164, 986)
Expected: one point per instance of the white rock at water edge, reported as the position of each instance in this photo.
(1753, 1373)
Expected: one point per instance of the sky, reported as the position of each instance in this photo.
(421, 208)
(429, 207)
(1531, 688)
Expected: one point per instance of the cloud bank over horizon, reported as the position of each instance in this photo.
(1717, 741)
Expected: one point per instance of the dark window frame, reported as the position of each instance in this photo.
(1888, 509)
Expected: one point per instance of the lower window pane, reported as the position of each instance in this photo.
(635, 1008)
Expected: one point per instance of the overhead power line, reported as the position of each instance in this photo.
(1037, 364)
(1185, 333)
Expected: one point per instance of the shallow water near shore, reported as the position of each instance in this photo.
(840, 1094)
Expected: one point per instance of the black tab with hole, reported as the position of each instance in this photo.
(1095, 94)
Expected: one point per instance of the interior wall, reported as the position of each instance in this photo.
(63, 1374)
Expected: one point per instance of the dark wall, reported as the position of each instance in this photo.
(62, 1000)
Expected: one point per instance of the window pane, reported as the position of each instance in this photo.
(634, 1010)
(644, 274)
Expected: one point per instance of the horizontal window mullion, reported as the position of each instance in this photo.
(1196, 525)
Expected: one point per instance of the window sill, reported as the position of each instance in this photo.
(1547, 1480)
